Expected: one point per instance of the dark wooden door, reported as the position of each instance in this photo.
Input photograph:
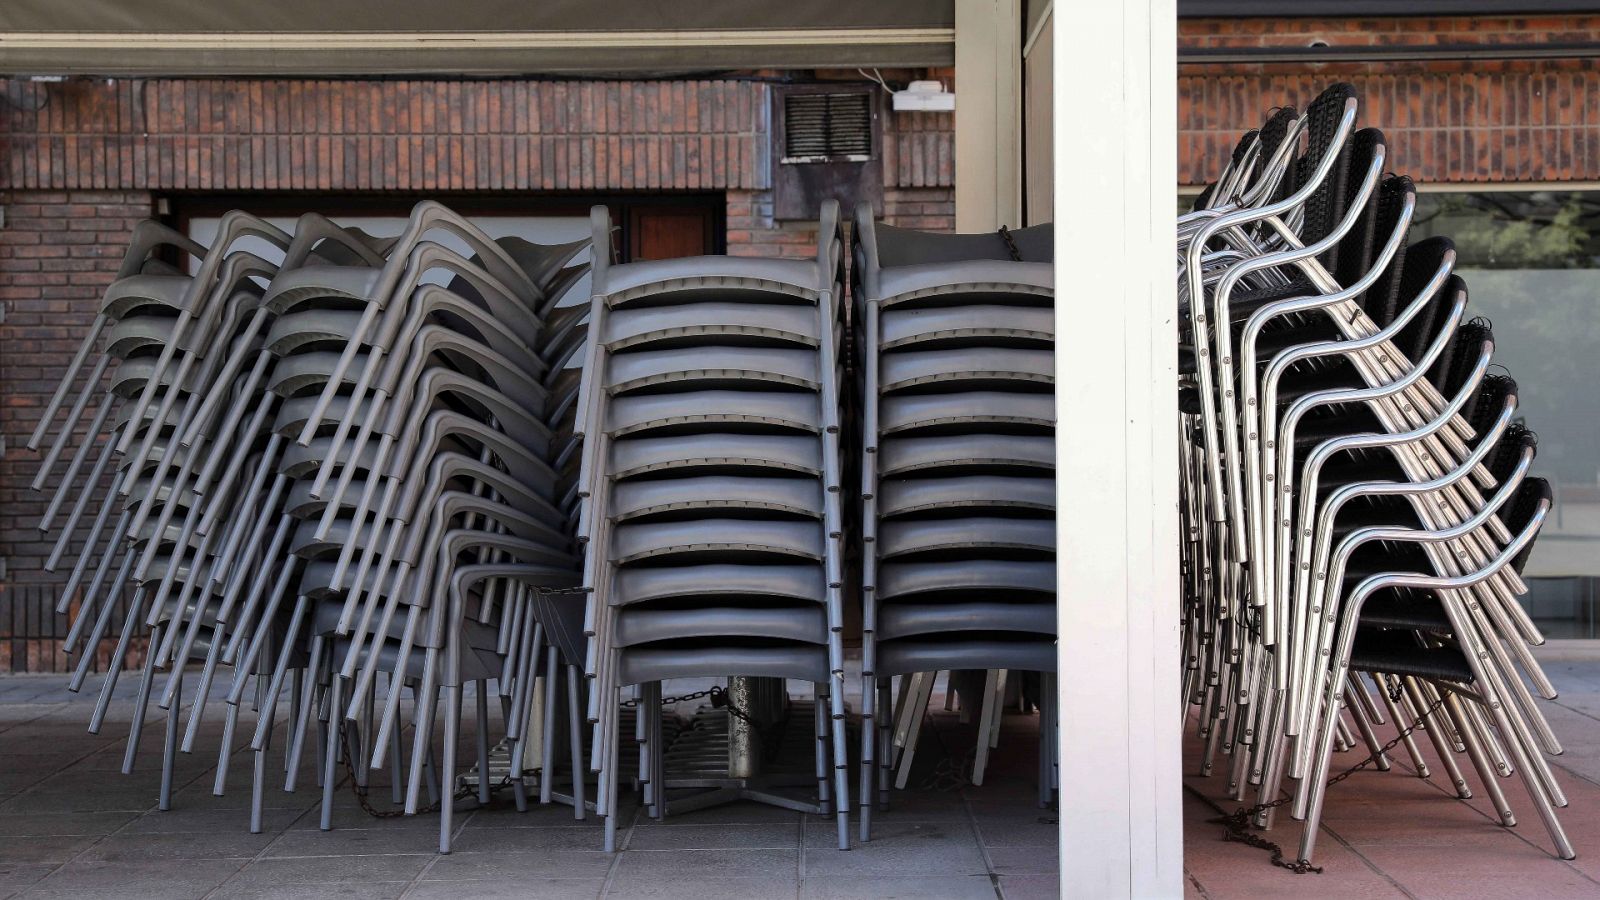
(667, 232)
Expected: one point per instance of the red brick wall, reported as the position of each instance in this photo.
(1446, 121)
(242, 135)
(208, 134)
(1387, 30)
(58, 251)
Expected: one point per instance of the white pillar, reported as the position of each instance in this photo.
(988, 114)
(1115, 178)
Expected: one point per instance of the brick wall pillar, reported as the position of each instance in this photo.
(58, 251)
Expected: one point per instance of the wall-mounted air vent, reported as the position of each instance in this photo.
(825, 140)
(827, 127)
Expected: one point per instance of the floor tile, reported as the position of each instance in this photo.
(638, 886)
(1029, 887)
(135, 879)
(508, 889)
(898, 848)
(897, 887)
(697, 864)
(506, 865)
(715, 837)
(325, 869)
(230, 844)
(356, 841)
(331, 890)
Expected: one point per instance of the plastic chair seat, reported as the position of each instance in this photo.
(808, 662)
(911, 619)
(791, 496)
(713, 409)
(899, 537)
(907, 496)
(700, 368)
(1005, 453)
(698, 538)
(969, 409)
(635, 456)
(971, 367)
(710, 322)
(901, 328)
(977, 575)
(713, 581)
(904, 657)
(806, 623)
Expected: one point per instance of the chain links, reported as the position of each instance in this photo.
(1011, 244)
(559, 592)
(367, 807)
(1236, 826)
(669, 701)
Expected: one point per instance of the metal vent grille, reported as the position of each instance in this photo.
(827, 127)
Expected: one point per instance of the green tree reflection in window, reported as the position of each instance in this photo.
(1531, 260)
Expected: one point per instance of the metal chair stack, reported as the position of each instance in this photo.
(711, 475)
(171, 333)
(958, 487)
(317, 555)
(1355, 491)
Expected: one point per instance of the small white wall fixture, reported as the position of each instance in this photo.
(1115, 113)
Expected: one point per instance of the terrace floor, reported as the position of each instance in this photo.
(1391, 834)
(72, 826)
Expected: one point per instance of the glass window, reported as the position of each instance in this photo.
(1531, 260)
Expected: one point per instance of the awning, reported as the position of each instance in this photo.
(466, 37)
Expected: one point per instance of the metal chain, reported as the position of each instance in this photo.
(361, 795)
(953, 773)
(669, 701)
(1236, 826)
(1011, 244)
(366, 807)
(557, 592)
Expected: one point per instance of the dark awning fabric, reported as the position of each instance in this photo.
(468, 37)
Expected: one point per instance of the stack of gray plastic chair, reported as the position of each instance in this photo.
(174, 333)
(711, 475)
(249, 487)
(450, 381)
(958, 487)
(1353, 486)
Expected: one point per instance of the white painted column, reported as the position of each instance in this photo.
(1115, 147)
(988, 114)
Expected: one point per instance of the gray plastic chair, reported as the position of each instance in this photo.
(710, 471)
(957, 496)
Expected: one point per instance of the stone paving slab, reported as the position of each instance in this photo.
(72, 826)
(1393, 834)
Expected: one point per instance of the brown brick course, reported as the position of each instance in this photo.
(241, 135)
(1446, 121)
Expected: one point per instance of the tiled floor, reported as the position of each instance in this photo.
(72, 826)
(1391, 834)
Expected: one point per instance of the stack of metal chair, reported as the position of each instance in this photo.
(957, 483)
(1355, 489)
(170, 332)
(711, 417)
(356, 474)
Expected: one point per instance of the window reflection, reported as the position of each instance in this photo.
(1531, 260)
